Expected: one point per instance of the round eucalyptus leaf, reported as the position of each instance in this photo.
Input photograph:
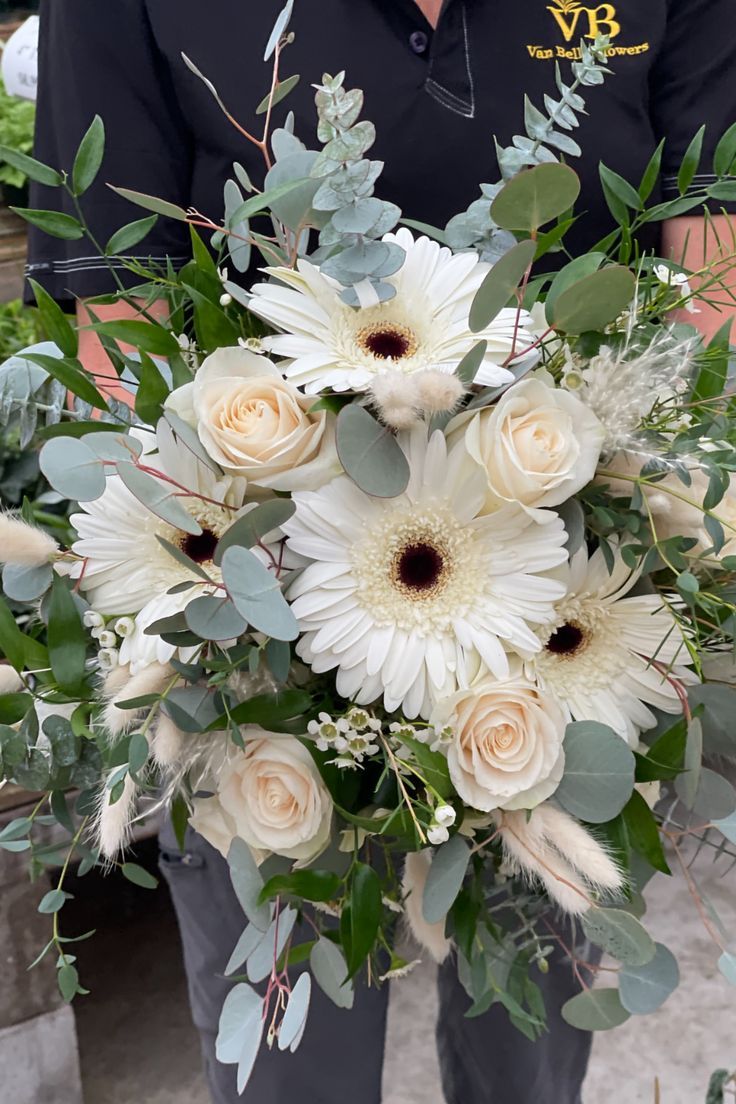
(73, 469)
(499, 285)
(619, 934)
(214, 618)
(255, 525)
(160, 498)
(645, 988)
(595, 301)
(715, 797)
(370, 454)
(240, 1017)
(114, 446)
(248, 883)
(535, 196)
(327, 963)
(295, 207)
(256, 594)
(599, 772)
(727, 826)
(26, 584)
(595, 1010)
(727, 966)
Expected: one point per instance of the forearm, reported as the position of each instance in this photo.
(694, 242)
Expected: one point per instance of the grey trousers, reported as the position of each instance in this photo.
(484, 1060)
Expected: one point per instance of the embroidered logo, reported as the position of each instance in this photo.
(574, 21)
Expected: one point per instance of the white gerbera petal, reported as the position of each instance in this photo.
(425, 326)
(607, 657)
(419, 597)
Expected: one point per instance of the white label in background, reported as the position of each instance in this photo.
(20, 60)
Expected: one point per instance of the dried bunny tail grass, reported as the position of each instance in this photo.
(114, 680)
(24, 544)
(579, 848)
(167, 743)
(529, 853)
(395, 397)
(113, 822)
(10, 680)
(437, 391)
(430, 936)
(151, 680)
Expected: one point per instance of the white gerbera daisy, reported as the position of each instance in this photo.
(124, 565)
(410, 597)
(425, 325)
(611, 655)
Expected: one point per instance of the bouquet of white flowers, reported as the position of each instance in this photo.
(401, 578)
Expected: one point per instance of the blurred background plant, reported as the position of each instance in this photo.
(17, 120)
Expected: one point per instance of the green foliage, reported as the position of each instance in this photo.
(17, 122)
(370, 454)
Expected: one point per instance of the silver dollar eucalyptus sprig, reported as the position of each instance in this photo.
(474, 228)
(349, 242)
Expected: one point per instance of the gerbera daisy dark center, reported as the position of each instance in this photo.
(419, 567)
(387, 341)
(201, 548)
(566, 640)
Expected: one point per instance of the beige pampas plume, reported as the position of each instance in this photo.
(167, 743)
(114, 821)
(151, 680)
(437, 391)
(23, 544)
(552, 847)
(430, 936)
(10, 680)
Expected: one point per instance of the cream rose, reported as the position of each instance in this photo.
(506, 750)
(538, 445)
(270, 795)
(255, 424)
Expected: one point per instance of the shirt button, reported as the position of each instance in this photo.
(418, 42)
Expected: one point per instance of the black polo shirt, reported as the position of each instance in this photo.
(437, 98)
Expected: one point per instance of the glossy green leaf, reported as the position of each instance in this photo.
(54, 223)
(67, 639)
(364, 914)
(311, 885)
(599, 772)
(725, 153)
(73, 376)
(620, 188)
(152, 203)
(499, 284)
(147, 336)
(138, 876)
(152, 391)
(690, 162)
(271, 711)
(643, 833)
(30, 167)
(370, 453)
(128, 236)
(535, 196)
(89, 157)
(56, 324)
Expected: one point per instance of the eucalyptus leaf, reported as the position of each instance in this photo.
(279, 28)
(245, 946)
(688, 783)
(328, 965)
(370, 454)
(595, 1010)
(599, 772)
(252, 527)
(535, 196)
(152, 203)
(644, 989)
(619, 934)
(727, 966)
(160, 498)
(271, 946)
(240, 1031)
(256, 594)
(296, 1013)
(248, 884)
(594, 301)
(26, 584)
(499, 285)
(445, 878)
(214, 618)
(72, 469)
